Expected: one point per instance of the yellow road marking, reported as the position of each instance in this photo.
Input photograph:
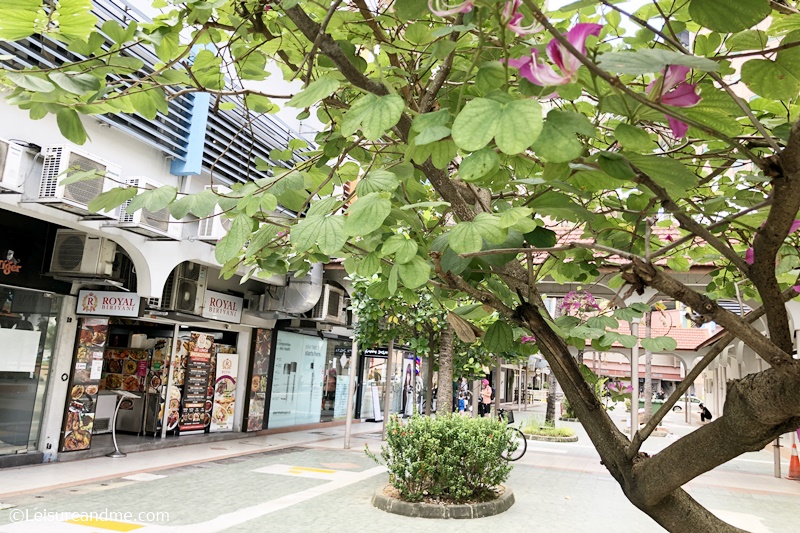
(301, 469)
(111, 525)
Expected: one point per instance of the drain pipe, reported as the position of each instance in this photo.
(351, 393)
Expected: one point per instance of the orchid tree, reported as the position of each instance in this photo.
(475, 136)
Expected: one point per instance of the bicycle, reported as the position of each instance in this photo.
(517, 443)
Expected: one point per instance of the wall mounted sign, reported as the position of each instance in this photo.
(108, 303)
(223, 307)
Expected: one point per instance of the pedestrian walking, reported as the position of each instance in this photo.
(485, 407)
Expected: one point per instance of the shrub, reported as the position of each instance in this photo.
(450, 457)
(537, 426)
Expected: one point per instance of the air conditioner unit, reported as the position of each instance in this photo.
(78, 254)
(185, 290)
(214, 227)
(59, 162)
(331, 306)
(11, 157)
(156, 225)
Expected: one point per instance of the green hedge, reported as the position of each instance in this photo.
(450, 457)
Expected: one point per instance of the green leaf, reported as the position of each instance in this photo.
(557, 142)
(678, 264)
(410, 9)
(232, 243)
(75, 83)
(81, 175)
(633, 138)
(403, 248)
(18, 18)
(729, 17)
(414, 273)
(479, 164)
(367, 214)
(647, 60)
(541, 238)
(499, 337)
(30, 82)
(373, 115)
(779, 79)
(110, 200)
(327, 232)
(491, 75)
(316, 91)
(206, 70)
(369, 265)
(432, 134)
(615, 165)
(627, 313)
(465, 238)
(747, 40)
(671, 174)
(488, 225)
(660, 344)
(477, 123)
(520, 125)
(511, 217)
(442, 153)
(70, 125)
(75, 18)
(376, 181)
(602, 322)
(378, 290)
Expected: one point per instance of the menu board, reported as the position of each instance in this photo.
(195, 388)
(224, 391)
(85, 384)
(173, 394)
(125, 369)
(258, 380)
(158, 375)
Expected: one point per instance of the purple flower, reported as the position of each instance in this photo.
(672, 89)
(577, 302)
(513, 19)
(444, 8)
(527, 338)
(542, 74)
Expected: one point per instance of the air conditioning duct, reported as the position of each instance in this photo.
(300, 295)
(75, 197)
(78, 254)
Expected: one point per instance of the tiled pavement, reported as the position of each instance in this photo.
(305, 481)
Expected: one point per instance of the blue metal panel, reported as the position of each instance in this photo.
(193, 160)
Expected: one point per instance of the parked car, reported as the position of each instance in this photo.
(678, 407)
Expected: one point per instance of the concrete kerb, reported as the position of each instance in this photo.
(545, 438)
(383, 500)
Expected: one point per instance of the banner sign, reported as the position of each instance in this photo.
(108, 303)
(223, 307)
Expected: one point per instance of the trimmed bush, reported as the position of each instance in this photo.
(451, 457)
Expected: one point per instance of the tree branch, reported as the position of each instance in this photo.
(689, 223)
(769, 351)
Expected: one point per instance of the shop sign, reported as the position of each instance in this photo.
(223, 307)
(373, 352)
(9, 264)
(108, 303)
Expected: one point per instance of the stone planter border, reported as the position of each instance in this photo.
(569, 419)
(389, 504)
(545, 438)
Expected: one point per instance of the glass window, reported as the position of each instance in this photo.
(28, 322)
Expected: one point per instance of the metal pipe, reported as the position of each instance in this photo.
(635, 379)
(351, 394)
(388, 386)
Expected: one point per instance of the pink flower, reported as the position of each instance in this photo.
(443, 8)
(672, 89)
(749, 255)
(542, 74)
(527, 338)
(513, 19)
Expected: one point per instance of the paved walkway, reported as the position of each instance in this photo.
(306, 481)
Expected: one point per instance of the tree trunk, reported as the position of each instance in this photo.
(444, 401)
(550, 413)
(648, 371)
